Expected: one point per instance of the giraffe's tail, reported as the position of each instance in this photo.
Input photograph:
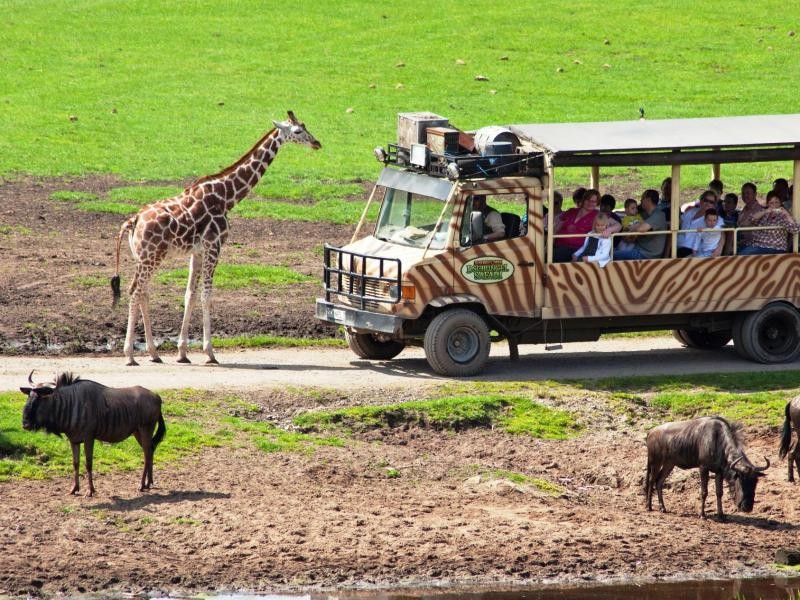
(127, 226)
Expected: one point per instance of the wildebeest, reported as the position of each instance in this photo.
(710, 444)
(86, 411)
(792, 420)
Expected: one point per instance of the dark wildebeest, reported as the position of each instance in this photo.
(86, 411)
(710, 444)
(792, 420)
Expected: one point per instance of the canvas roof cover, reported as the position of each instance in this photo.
(662, 134)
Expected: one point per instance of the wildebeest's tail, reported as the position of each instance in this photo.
(786, 436)
(160, 432)
(115, 280)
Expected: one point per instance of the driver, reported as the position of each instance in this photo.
(493, 228)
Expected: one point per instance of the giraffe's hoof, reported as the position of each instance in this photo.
(184, 361)
(132, 363)
(156, 359)
(212, 361)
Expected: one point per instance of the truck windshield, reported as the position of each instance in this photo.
(409, 219)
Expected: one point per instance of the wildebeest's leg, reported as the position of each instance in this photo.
(718, 481)
(648, 485)
(76, 459)
(704, 490)
(88, 448)
(794, 457)
(195, 267)
(144, 435)
(660, 479)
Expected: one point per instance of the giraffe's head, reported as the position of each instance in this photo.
(295, 131)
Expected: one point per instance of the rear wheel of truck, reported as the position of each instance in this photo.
(702, 339)
(366, 345)
(771, 335)
(457, 343)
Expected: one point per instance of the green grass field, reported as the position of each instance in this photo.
(153, 92)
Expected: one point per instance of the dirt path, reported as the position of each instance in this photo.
(337, 368)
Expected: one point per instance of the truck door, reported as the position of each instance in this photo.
(501, 273)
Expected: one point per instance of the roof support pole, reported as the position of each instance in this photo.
(675, 209)
(551, 186)
(594, 180)
(715, 171)
(795, 199)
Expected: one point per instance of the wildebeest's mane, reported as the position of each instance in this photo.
(736, 430)
(66, 378)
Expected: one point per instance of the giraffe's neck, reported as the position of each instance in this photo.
(235, 182)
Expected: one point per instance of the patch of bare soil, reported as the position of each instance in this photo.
(238, 518)
(56, 263)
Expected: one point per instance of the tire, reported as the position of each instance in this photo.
(772, 334)
(701, 339)
(366, 345)
(457, 343)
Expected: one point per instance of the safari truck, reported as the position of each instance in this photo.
(426, 277)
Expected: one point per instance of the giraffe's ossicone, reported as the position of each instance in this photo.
(194, 223)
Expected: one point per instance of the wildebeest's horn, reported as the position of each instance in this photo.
(30, 376)
(733, 464)
(764, 468)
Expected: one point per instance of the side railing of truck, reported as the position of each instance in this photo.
(361, 278)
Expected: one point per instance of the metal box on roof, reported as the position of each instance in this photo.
(411, 127)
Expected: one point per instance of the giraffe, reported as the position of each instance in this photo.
(194, 223)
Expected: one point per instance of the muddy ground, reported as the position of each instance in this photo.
(237, 518)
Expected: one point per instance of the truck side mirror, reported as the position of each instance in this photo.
(476, 227)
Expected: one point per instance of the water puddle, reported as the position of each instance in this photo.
(774, 588)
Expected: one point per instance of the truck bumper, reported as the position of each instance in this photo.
(362, 320)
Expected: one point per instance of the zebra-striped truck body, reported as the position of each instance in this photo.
(85, 411)
(423, 277)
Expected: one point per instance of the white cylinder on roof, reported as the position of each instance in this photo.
(487, 137)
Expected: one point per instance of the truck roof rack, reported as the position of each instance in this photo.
(468, 166)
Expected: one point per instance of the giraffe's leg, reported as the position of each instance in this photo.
(133, 315)
(195, 267)
(144, 306)
(209, 265)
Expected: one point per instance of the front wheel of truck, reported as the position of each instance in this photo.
(457, 343)
(366, 345)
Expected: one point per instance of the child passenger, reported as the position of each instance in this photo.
(631, 218)
(596, 248)
(709, 240)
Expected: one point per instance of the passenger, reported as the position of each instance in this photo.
(717, 186)
(596, 248)
(493, 228)
(631, 218)
(647, 246)
(751, 206)
(576, 220)
(665, 200)
(558, 202)
(709, 240)
(577, 196)
(694, 218)
(781, 186)
(771, 241)
(607, 204)
(730, 212)
(730, 219)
